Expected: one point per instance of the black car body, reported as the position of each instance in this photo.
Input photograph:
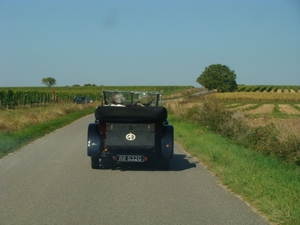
(136, 133)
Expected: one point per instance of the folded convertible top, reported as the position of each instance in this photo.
(131, 114)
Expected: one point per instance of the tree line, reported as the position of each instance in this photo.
(214, 77)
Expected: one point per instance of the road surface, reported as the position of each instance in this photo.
(50, 182)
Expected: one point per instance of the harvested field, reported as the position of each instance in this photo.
(264, 109)
(288, 109)
(290, 126)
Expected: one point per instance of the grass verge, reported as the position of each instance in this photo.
(12, 141)
(268, 184)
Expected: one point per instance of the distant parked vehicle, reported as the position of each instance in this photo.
(81, 100)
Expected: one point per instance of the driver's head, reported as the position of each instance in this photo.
(117, 98)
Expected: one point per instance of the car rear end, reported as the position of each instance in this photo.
(128, 142)
(130, 135)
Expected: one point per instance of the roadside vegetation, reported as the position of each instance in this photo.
(272, 130)
(268, 184)
(19, 127)
(252, 145)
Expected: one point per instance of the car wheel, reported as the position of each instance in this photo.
(105, 163)
(95, 162)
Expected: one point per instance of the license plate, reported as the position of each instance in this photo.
(130, 158)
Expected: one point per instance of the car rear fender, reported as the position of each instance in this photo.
(167, 142)
(94, 140)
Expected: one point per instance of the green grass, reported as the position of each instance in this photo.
(233, 105)
(268, 184)
(295, 106)
(10, 142)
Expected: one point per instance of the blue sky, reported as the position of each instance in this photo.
(148, 42)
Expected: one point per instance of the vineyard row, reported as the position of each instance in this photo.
(267, 88)
(12, 98)
(18, 99)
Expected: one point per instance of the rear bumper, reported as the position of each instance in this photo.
(149, 153)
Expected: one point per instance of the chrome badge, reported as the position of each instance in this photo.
(130, 137)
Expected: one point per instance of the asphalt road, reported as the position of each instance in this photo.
(50, 182)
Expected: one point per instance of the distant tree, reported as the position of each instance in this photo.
(49, 81)
(219, 77)
(86, 85)
(90, 85)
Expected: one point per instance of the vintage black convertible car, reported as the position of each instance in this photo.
(130, 127)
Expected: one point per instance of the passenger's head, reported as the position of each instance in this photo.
(146, 100)
(117, 98)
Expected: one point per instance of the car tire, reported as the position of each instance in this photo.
(95, 162)
(105, 163)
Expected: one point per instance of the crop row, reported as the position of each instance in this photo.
(258, 96)
(16, 99)
(97, 89)
(267, 88)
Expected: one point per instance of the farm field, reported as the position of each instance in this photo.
(286, 116)
(266, 122)
(268, 88)
(254, 107)
(260, 109)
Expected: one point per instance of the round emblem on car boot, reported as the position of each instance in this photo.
(130, 137)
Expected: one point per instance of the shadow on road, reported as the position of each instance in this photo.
(179, 162)
(182, 162)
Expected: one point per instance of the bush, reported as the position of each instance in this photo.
(263, 139)
(290, 150)
(210, 114)
(217, 118)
